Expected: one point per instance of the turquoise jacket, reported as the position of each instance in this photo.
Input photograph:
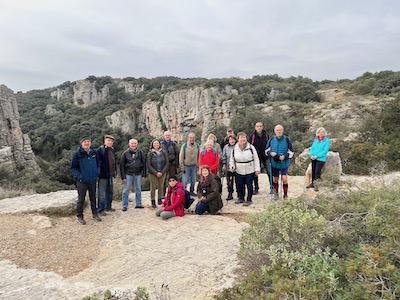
(320, 148)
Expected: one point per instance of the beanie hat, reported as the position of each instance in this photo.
(173, 177)
(84, 138)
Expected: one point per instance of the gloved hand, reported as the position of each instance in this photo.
(276, 158)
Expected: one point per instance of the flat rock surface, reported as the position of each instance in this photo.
(194, 255)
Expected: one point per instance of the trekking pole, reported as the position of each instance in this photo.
(281, 186)
(271, 187)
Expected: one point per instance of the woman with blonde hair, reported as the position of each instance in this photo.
(318, 154)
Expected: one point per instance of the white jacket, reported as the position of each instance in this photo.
(244, 161)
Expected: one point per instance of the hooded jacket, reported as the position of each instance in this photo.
(85, 166)
(175, 200)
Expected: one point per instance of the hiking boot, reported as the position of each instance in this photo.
(310, 186)
(110, 209)
(102, 213)
(285, 196)
(124, 209)
(239, 201)
(247, 203)
(96, 218)
(230, 197)
(159, 201)
(255, 192)
(139, 206)
(81, 221)
(153, 203)
(316, 188)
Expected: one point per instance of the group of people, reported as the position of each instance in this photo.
(239, 157)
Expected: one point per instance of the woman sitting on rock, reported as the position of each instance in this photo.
(208, 192)
(318, 154)
(173, 204)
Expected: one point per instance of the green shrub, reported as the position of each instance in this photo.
(281, 235)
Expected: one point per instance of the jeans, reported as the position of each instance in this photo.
(137, 181)
(82, 188)
(201, 208)
(242, 181)
(189, 174)
(231, 181)
(105, 194)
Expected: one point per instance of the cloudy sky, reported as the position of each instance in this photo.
(44, 43)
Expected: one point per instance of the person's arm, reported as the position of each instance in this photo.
(149, 166)
(122, 166)
(166, 166)
(323, 151)
(257, 166)
(176, 161)
(75, 167)
(182, 157)
(216, 162)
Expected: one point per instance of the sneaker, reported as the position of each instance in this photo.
(124, 209)
(97, 218)
(247, 203)
(102, 213)
(255, 192)
(81, 221)
(310, 186)
(239, 201)
(276, 197)
(110, 209)
(139, 206)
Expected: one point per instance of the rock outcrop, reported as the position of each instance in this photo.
(124, 120)
(184, 110)
(85, 93)
(15, 147)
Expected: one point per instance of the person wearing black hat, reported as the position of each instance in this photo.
(173, 204)
(84, 166)
(108, 171)
(225, 140)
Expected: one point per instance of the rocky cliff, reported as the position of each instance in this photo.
(183, 110)
(15, 147)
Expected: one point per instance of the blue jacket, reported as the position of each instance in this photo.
(85, 166)
(281, 147)
(320, 148)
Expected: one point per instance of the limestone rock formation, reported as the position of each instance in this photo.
(85, 93)
(15, 147)
(130, 88)
(330, 95)
(124, 120)
(61, 93)
(184, 110)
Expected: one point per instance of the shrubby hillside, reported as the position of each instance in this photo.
(363, 119)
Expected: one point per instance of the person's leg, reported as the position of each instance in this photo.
(160, 188)
(229, 181)
(92, 197)
(125, 192)
(81, 188)
(165, 215)
(153, 186)
(241, 182)
(285, 182)
(318, 169)
(256, 187)
(201, 208)
(109, 193)
(158, 212)
(248, 181)
(185, 177)
(137, 182)
(101, 194)
(313, 166)
(192, 174)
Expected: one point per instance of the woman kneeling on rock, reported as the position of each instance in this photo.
(173, 204)
(208, 192)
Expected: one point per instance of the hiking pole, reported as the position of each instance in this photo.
(281, 186)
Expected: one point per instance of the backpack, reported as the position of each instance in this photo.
(184, 149)
(188, 199)
(204, 152)
(219, 181)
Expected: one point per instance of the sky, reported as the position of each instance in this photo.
(44, 43)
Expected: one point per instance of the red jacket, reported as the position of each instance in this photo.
(211, 159)
(175, 200)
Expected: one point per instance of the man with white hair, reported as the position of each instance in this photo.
(170, 147)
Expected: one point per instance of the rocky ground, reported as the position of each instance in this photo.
(44, 255)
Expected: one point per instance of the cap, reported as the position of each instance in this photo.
(84, 138)
(229, 129)
(173, 177)
(107, 136)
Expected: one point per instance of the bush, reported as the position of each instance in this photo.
(282, 235)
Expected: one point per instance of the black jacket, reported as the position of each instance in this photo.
(133, 163)
(260, 143)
